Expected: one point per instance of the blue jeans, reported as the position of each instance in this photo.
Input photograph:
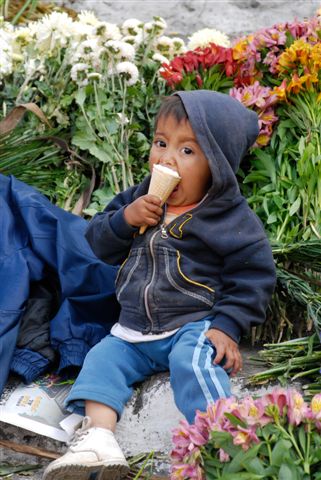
(113, 366)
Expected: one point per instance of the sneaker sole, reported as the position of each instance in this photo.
(83, 472)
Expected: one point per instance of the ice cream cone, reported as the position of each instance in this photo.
(162, 183)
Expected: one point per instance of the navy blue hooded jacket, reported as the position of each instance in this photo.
(36, 235)
(213, 260)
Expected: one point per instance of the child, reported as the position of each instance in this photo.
(200, 276)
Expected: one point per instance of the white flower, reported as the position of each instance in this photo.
(130, 71)
(122, 119)
(107, 31)
(6, 52)
(158, 25)
(178, 45)
(204, 37)
(121, 50)
(164, 44)
(132, 26)
(21, 38)
(134, 40)
(94, 76)
(157, 57)
(53, 31)
(88, 17)
(78, 73)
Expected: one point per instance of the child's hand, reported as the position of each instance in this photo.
(225, 347)
(146, 210)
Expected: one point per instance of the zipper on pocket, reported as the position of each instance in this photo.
(151, 244)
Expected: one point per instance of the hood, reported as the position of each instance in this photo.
(225, 130)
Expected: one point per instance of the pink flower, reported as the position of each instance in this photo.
(297, 408)
(252, 412)
(245, 436)
(223, 456)
(183, 471)
(316, 406)
(278, 397)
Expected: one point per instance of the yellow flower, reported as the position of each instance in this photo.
(240, 48)
(295, 84)
(280, 91)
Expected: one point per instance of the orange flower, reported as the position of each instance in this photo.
(240, 49)
(280, 91)
(295, 84)
(309, 79)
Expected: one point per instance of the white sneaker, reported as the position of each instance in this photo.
(92, 450)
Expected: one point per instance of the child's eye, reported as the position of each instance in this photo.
(160, 143)
(187, 150)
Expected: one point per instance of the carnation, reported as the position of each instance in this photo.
(202, 38)
(129, 70)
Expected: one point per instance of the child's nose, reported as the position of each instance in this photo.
(168, 158)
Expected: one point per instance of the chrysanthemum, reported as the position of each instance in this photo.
(88, 18)
(121, 50)
(158, 25)
(164, 44)
(107, 31)
(130, 72)
(53, 31)
(132, 26)
(78, 73)
(6, 52)
(157, 57)
(202, 38)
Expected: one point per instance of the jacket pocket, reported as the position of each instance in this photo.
(127, 270)
(191, 293)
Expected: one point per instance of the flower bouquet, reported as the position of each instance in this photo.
(276, 436)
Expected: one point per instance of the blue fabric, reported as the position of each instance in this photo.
(36, 235)
(113, 366)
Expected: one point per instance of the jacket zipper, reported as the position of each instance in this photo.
(164, 234)
(151, 244)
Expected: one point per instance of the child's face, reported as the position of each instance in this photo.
(175, 146)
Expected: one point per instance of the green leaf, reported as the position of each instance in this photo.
(80, 97)
(295, 206)
(236, 465)
(235, 420)
(6, 470)
(302, 437)
(289, 471)
(280, 452)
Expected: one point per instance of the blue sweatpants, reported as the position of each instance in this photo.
(113, 366)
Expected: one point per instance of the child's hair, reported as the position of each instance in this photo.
(172, 106)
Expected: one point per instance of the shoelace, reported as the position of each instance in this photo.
(78, 435)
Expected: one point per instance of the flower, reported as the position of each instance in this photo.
(129, 71)
(88, 17)
(52, 32)
(202, 38)
(78, 73)
(132, 26)
(255, 426)
(121, 50)
(316, 406)
(297, 408)
(157, 57)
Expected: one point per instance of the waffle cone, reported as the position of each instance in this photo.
(162, 183)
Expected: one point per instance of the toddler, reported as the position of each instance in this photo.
(199, 277)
